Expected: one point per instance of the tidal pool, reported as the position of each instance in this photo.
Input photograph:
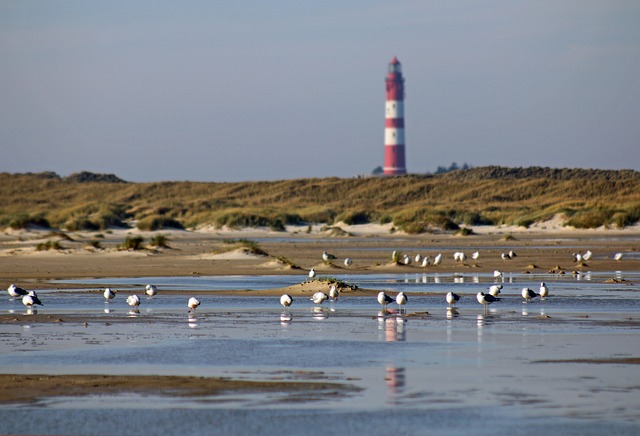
(566, 365)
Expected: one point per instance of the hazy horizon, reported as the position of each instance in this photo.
(209, 91)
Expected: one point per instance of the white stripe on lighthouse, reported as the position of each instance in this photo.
(393, 136)
(395, 109)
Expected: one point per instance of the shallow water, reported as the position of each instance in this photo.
(454, 372)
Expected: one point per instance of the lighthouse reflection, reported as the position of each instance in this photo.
(396, 381)
(391, 328)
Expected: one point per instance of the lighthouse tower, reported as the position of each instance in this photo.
(394, 162)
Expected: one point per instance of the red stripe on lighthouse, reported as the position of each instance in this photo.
(394, 153)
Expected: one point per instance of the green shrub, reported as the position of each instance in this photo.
(132, 243)
(81, 223)
(24, 220)
(160, 241)
(49, 245)
(157, 222)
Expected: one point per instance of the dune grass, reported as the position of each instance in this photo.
(413, 203)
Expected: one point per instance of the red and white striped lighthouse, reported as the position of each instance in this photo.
(394, 162)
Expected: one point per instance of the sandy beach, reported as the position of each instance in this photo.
(242, 353)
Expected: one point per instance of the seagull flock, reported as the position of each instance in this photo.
(30, 298)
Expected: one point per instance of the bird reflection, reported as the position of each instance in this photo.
(32, 311)
(452, 312)
(192, 321)
(391, 328)
(285, 318)
(319, 313)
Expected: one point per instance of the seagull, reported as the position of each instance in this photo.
(334, 293)
(497, 274)
(486, 300)
(512, 254)
(151, 290)
(384, 299)
(544, 291)
(452, 298)
(418, 258)
(286, 300)
(193, 304)
(528, 294)
(475, 256)
(15, 291)
(494, 290)
(618, 256)
(30, 299)
(109, 294)
(425, 262)
(577, 257)
(437, 260)
(327, 256)
(401, 299)
(348, 262)
(407, 259)
(312, 273)
(505, 256)
(133, 301)
(319, 297)
(587, 255)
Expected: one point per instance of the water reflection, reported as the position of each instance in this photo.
(391, 328)
(319, 313)
(285, 318)
(452, 312)
(192, 321)
(396, 381)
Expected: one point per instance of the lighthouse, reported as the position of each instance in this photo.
(394, 162)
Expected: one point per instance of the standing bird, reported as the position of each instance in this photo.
(418, 258)
(348, 262)
(384, 299)
(425, 261)
(497, 274)
(544, 291)
(312, 273)
(319, 297)
(617, 256)
(109, 294)
(528, 294)
(193, 303)
(151, 290)
(401, 299)
(512, 254)
(30, 299)
(505, 256)
(437, 260)
(327, 256)
(133, 301)
(486, 300)
(286, 301)
(15, 291)
(334, 293)
(495, 290)
(406, 259)
(452, 298)
(475, 256)
(587, 255)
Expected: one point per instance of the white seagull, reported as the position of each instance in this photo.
(544, 291)
(151, 290)
(348, 262)
(617, 256)
(15, 291)
(587, 255)
(528, 294)
(327, 256)
(486, 300)
(505, 256)
(109, 294)
(495, 290)
(437, 260)
(406, 259)
(577, 257)
(312, 273)
(334, 293)
(425, 262)
(319, 297)
(401, 299)
(193, 303)
(286, 300)
(30, 299)
(133, 301)
(418, 258)
(475, 256)
(512, 254)
(497, 274)
(384, 299)
(452, 298)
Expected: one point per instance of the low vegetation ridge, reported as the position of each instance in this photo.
(585, 198)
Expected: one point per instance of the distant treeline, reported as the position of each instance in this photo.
(585, 198)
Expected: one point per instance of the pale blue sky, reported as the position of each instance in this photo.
(248, 90)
